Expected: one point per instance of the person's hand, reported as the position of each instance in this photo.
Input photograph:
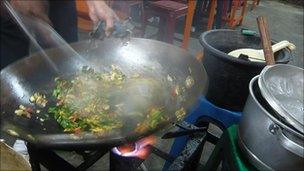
(34, 8)
(99, 10)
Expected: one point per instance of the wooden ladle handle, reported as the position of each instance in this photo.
(266, 41)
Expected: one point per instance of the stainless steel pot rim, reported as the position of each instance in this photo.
(293, 117)
(275, 120)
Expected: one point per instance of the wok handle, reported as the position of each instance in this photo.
(266, 41)
(120, 30)
(183, 133)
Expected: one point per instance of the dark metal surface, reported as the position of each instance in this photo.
(161, 153)
(91, 159)
(189, 157)
(47, 158)
(186, 130)
(51, 161)
(118, 163)
(138, 56)
(175, 134)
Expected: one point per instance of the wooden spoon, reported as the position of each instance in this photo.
(265, 37)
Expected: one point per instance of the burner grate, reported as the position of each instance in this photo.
(187, 160)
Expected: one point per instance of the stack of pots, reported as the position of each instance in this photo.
(271, 131)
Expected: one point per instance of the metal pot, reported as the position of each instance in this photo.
(282, 86)
(269, 144)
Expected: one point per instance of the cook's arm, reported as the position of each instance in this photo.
(99, 10)
(34, 8)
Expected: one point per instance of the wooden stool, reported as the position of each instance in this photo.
(188, 24)
(83, 19)
(126, 6)
(211, 15)
(225, 13)
(234, 20)
(169, 12)
(227, 151)
(255, 3)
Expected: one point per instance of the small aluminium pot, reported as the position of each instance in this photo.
(267, 142)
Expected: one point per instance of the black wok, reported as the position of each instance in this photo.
(139, 56)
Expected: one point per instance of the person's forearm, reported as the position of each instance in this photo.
(35, 8)
(99, 10)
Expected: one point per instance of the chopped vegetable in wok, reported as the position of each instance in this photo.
(154, 117)
(38, 99)
(189, 82)
(12, 132)
(71, 122)
(24, 111)
(83, 104)
(180, 113)
(95, 101)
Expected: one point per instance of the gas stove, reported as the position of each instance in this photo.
(130, 156)
(185, 152)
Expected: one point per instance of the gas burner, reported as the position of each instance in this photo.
(140, 149)
(132, 155)
(126, 150)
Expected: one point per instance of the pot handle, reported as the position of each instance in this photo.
(286, 142)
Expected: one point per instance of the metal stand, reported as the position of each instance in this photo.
(227, 152)
(188, 160)
(208, 113)
(118, 162)
(50, 160)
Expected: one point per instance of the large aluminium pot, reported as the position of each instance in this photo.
(229, 76)
(269, 144)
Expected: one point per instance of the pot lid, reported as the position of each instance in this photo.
(282, 86)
